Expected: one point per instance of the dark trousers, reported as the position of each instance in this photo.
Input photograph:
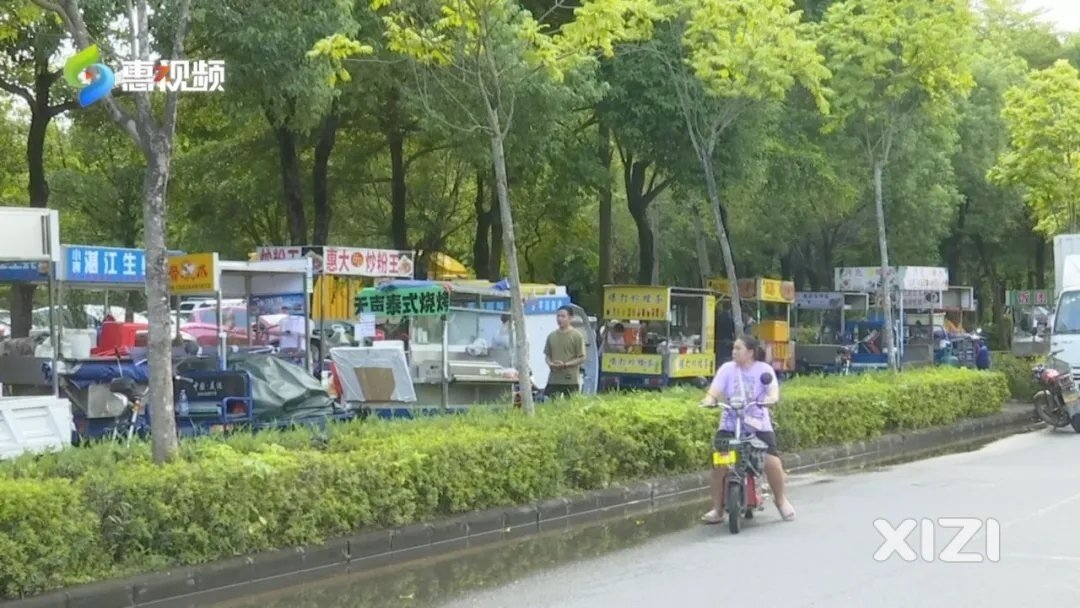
(566, 390)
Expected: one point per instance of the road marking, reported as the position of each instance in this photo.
(1047, 558)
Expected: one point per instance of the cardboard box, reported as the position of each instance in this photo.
(377, 383)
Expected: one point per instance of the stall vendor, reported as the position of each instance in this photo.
(615, 339)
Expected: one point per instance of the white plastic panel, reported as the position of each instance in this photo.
(29, 235)
(34, 424)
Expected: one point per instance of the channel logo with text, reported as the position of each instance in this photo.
(85, 72)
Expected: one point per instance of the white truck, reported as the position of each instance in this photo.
(1065, 336)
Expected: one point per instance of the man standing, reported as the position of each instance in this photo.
(564, 352)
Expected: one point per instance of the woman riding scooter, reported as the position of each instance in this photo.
(741, 377)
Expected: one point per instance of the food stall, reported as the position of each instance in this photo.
(542, 303)
(30, 240)
(770, 303)
(275, 284)
(338, 273)
(1031, 313)
(667, 337)
(820, 319)
(445, 349)
(913, 288)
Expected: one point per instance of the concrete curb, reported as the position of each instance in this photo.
(388, 547)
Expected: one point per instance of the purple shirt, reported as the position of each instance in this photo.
(726, 385)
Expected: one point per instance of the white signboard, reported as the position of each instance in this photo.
(29, 235)
(819, 300)
(910, 278)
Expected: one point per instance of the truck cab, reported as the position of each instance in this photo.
(1065, 331)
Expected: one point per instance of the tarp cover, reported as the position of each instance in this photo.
(281, 390)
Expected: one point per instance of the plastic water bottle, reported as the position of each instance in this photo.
(185, 408)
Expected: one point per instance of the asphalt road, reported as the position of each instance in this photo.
(1029, 484)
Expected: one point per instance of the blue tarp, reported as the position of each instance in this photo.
(85, 373)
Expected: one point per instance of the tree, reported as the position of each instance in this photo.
(154, 138)
(1043, 121)
(894, 62)
(31, 38)
(723, 57)
(483, 56)
(265, 45)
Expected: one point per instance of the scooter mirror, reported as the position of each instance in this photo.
(766, 379)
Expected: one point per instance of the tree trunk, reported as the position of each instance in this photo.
(481, 248)
(725, 244)
(293, 189)
(646, 242)
(1040, 263)
(654, 226)
(886, 292)
(399, 230)
(495, 272)
(320, 174)
(22, 295)
(159, 351)
(604, 154)
(517, 305)
(704, 263)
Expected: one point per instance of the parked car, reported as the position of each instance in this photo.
(265, 330)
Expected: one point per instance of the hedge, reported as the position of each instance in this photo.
(1017, 370)
(105, 511)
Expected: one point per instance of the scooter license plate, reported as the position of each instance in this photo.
(1071, 397)
(722, 459)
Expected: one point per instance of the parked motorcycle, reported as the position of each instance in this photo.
(744, 455)
(844, 355)
(127, 423)
(1058, 402)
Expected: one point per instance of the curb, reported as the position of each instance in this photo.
(382, 548)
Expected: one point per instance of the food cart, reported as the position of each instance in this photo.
(1030, 310)
(823, 344)
(30, 241)
(911, 288)
(667, 337)
(771, 301)
(445, 350)
(542, 303)
(338, 274)
(260, 284)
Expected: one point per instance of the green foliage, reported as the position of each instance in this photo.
(1022, 384)
(104, 510)
(1043, 118)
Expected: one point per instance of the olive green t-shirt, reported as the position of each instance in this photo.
(565, 346)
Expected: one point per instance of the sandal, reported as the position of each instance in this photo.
(787, 512)
(713, 517)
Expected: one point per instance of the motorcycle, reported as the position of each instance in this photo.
(744, 455)
(844, 355)
(1058, 402)
(128, 422)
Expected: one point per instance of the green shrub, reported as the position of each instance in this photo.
(1022, 384)
(104, 510)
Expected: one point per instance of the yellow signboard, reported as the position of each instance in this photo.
(782, 292)
(619, 363)
(698, 365)
(638, 303)
(194, 274)
(747, 288)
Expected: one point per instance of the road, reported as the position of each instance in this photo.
(1028, 483)
(826, 558)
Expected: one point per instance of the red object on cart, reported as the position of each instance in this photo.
(117, 339)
